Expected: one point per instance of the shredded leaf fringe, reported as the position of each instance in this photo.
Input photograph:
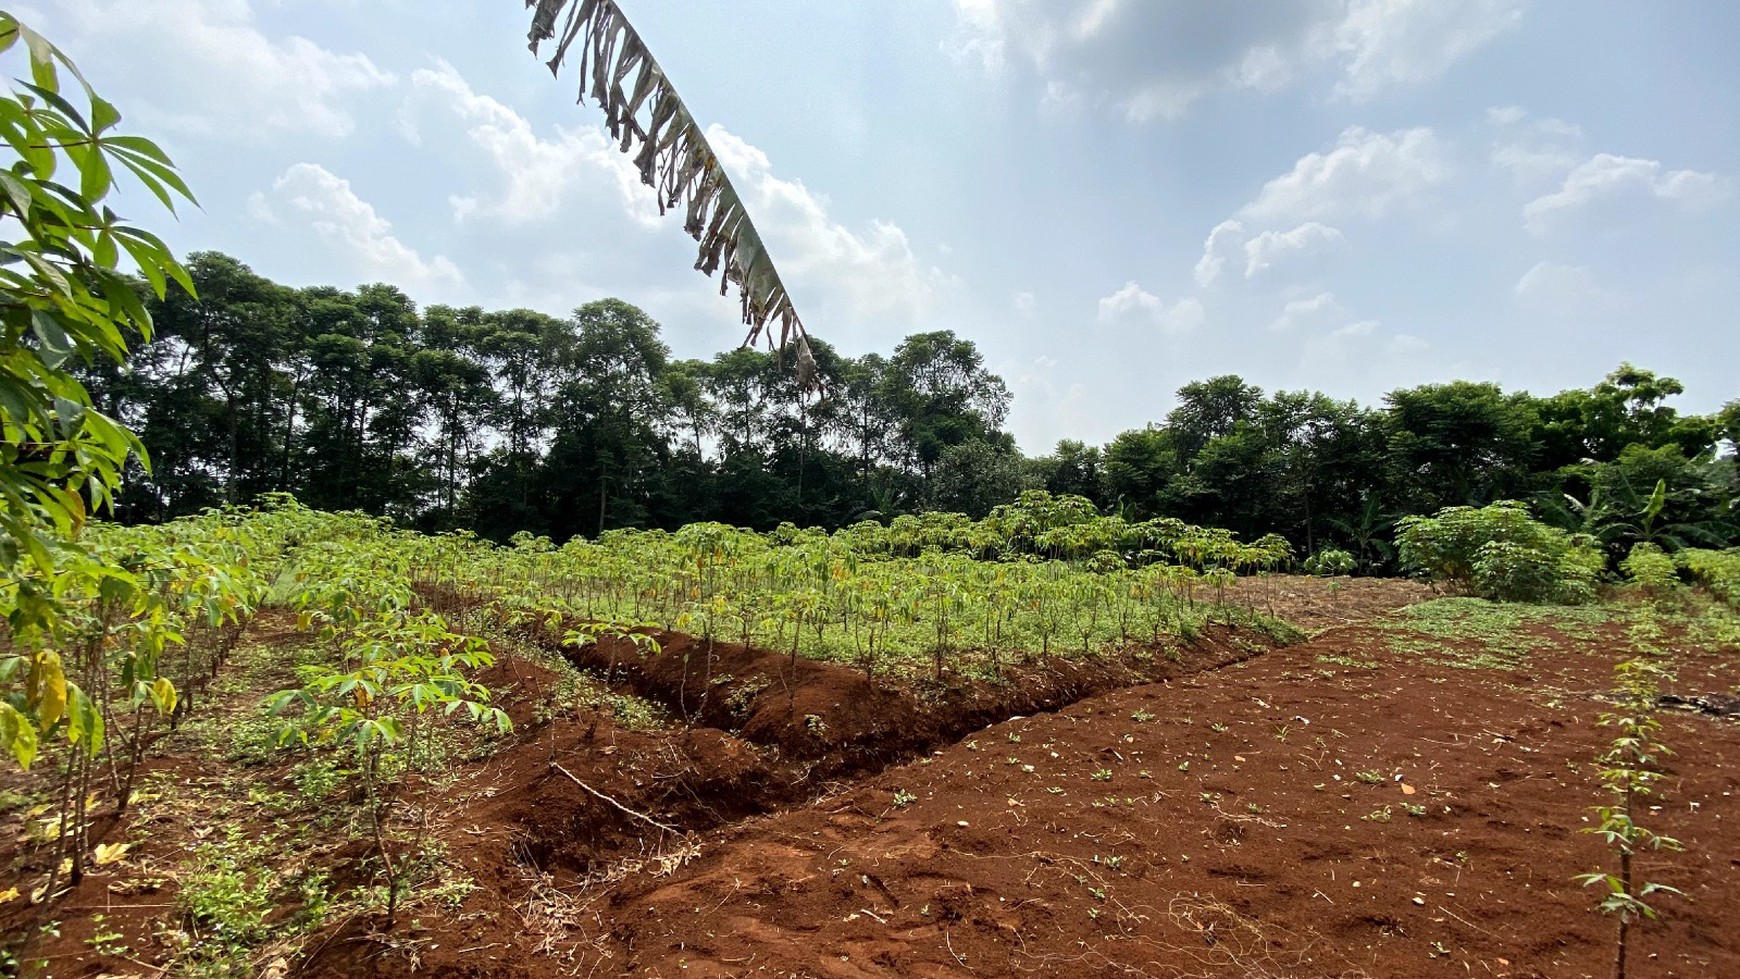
(650, 122)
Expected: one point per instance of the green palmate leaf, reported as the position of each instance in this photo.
(104, 116)
(155, 173)
(42, 58)
(95, 178)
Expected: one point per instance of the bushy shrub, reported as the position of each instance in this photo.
(1330, 561)
(1650, 569)
(1718, 571)
(1502, 553)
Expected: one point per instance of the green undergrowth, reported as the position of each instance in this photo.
(1474, 633)
(576, 689)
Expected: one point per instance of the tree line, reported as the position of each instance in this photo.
(508, 421)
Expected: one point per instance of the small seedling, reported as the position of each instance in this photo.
(903, 798)
(1628, 770)
(1102, 775)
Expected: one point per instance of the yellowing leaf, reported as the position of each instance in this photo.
(49, 684)
(8, 895)
(108, 853)
(163, 692)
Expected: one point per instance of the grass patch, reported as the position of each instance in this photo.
(1476, 634)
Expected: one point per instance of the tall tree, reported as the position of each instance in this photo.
(1459, 443)
(938, 389)
(611, 413)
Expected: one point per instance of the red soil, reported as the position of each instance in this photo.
(1243, 817)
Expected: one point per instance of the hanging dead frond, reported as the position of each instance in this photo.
(651, 123)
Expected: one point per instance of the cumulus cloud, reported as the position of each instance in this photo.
(1310, 310)
(868, 273)
(349, 224)
(1366, 173)
(1388, 43)
(240, 83)
(1617, 185)
(1564, 289)
(538, 173)
(833, 271)
(1532, 150)
(1026, 303)
(1153, 59)
(1132, 303)
(1226, 237)
(1263, 251)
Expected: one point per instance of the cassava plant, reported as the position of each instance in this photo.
(1629, 768)
(400, 672)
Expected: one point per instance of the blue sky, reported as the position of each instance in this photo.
(1110, 197)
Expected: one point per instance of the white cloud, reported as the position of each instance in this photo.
(1363, 349)
(1619, 184)
(210, 55)
(1152, 59)
(1133, 303)
(1221, 241)
(538, 174)
(1367, 174)
(1540, 150)
(1026, 303)
(1265, 249)
(868, 274)
(1389, 43)
(834, 272)
(349, 224)
(1301, 312)
(1561, 288)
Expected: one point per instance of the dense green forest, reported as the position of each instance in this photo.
(514, 420)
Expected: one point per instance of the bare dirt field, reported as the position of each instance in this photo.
(1400, 796)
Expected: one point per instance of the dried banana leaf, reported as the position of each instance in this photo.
(650, 122)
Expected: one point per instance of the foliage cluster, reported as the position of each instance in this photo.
(1717, 570)
(1502, 553)
(873, 595)
(511, 420)
(1650, 569)
(397, 670)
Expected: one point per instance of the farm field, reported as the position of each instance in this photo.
(344, 633)
(1398, 795)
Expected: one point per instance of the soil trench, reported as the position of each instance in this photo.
(762, 733)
